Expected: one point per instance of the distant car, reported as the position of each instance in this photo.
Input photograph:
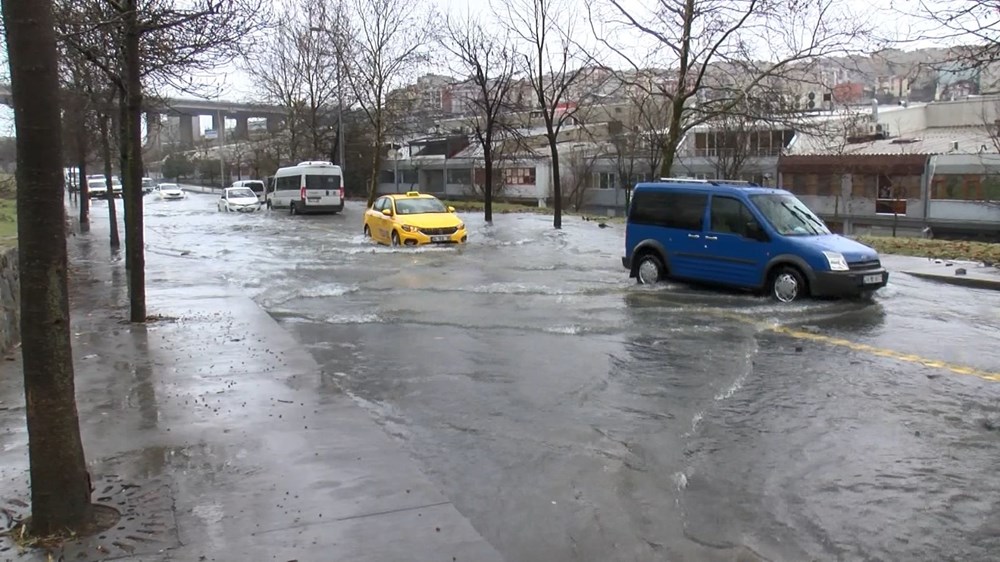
(116, 186)
(413, 219)
(241, 199)
(171, 191)
(257, 186)
(97, 187)
(148, 185)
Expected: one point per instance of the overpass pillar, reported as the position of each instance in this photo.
(187, 130)
(242, 126)
(215, 122)
(154, 130)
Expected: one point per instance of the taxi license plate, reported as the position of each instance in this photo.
(440, 238)
(872, 279)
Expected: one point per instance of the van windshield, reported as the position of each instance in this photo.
(788, 215)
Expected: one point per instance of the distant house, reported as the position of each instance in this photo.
(935, 165)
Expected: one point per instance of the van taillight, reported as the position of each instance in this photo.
(341, 190)
(302, 193)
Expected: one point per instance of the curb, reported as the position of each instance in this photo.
(960, 280)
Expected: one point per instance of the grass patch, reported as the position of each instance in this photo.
(8, 223)
(507, 208)
(498, 207)
(930, 248)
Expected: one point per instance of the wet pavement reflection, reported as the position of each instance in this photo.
(572, 415)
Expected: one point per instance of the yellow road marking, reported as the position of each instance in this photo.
(861, 347)
(888, 353)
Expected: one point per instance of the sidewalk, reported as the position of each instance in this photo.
(975, 275)
(218, 438)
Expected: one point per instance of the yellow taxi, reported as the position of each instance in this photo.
(412, 219)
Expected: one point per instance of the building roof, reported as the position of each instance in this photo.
(936, 140)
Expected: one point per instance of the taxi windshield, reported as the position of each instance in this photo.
(419, 205)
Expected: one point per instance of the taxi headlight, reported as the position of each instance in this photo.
(408, 228)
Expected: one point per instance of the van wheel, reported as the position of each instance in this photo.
(787, 284)
(650, 270)
(293, 209)
(395, 238)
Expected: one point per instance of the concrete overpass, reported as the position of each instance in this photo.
(188, 113)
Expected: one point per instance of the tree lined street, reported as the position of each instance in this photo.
(532, 402)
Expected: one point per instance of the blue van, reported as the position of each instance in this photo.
(744, 236)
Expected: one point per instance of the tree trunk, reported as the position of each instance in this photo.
(673, 138)
(81, 158)
(110, 196)
(556, 188)
(121, 133)
(488, 173)
(134, 235)
(376, 160)
(84, 195)
(60, 485)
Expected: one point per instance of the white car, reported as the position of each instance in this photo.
(97, 188)
(171, 191)
(241, 199)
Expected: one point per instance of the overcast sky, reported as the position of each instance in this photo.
(236, 86)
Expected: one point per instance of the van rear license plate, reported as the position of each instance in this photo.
(872, 279)
(440, 238)
(313, 199)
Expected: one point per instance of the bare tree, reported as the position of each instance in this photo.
(106, 131)
(295, 66)
(720, 51)
(139, 44)
(381, 42)
(970, 28)
(489, 63)
(637, 140)
(580, 160)
(60, 485)
(554, 65)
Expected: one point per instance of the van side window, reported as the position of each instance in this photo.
(685, 211)
(287, 183)
(730, 216)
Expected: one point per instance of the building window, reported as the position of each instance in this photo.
(387, 176)
(408, 177)
(891, 198)
(828, 185)
(460, 177)
(606, 180)
(519, 176)
(863, 186)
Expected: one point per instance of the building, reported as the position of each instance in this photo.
(933, 165)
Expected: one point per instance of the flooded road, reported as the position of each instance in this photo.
(572, 415)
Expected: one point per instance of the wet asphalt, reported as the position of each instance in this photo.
(572, 415)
